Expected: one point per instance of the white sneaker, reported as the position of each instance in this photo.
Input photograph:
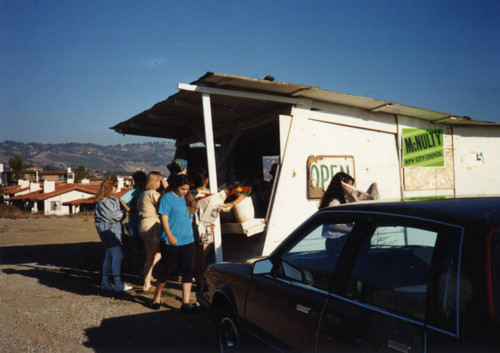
(105, 285)
(123, 287)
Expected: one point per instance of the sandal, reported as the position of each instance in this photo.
(155, 306)
(151, 289)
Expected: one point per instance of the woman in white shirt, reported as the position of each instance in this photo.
(335, 195)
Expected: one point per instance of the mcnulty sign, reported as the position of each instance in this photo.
(423, 148)
(321, 169)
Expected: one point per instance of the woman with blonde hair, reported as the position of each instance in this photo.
(108, 214)
(149, 225)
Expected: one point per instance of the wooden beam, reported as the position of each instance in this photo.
(240, 94)
(212, 169)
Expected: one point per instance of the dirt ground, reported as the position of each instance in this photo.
(50, 299)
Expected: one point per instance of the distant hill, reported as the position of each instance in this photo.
(116, 158)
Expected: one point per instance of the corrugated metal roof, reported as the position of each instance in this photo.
(181, 114)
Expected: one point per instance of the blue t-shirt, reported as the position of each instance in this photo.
(130, 198)
(179, 218)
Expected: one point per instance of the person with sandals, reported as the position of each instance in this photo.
(149, 225)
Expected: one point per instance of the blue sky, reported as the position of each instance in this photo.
(71, 69)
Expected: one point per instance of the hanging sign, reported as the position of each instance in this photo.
(423, 148)
(321, 169)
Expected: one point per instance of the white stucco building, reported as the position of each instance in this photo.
(230, 124)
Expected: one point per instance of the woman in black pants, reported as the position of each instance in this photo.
(176, 209)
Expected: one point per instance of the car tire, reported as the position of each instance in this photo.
(228, 332)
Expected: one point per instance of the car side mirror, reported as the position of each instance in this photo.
(262, 267)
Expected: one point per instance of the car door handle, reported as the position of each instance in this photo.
(303, 309)
(400, 347)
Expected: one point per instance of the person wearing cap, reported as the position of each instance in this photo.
(177, 167)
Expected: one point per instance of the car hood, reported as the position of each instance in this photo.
(243, 265)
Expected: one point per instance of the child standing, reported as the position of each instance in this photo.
(108, 215)
(176, 210)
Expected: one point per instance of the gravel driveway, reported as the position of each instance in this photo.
(50, 300)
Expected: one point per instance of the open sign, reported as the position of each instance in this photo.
(321, 169)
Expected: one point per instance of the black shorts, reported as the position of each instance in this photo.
(182, 255)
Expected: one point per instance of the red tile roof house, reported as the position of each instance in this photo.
(54, 198)
(23, 187)
(36, 175)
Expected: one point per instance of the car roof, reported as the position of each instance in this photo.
(463, 212)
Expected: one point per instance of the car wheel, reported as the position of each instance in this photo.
(228, 332)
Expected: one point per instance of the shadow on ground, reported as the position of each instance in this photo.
(167, 330)
(84, 256)
(76, 268)
(73, 267)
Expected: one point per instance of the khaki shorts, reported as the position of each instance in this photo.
(149, 230)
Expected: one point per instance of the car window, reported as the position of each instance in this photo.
(495, 274)
(398, 236)
(442, 297)
(312, 258)
(391, 270)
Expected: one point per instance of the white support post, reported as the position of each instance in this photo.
(212, 169)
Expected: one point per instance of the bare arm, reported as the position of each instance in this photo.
(164, 223)
(340, 228)
(124, 205)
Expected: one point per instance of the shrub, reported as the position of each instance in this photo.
(10, 211)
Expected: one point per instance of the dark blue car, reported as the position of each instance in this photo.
(378, 277)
